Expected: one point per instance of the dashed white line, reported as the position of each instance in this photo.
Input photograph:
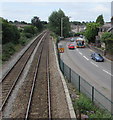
(107, 72)
(91, 50)
(85, 57)
(80, 53)
(94, 64)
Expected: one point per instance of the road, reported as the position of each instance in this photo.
(98, 74)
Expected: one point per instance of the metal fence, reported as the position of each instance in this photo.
(84, 87)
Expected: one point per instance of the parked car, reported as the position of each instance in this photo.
(97, 57)
(71, 46)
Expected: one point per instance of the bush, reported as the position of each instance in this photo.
(84, 103)
(85, 106)
(7, 50)
(10, 33)
(28, 35)
(23, 40)
(30, 29)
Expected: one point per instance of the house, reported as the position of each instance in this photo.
(105, 28)
(78, 28)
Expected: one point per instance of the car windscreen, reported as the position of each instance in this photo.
(98, 55)
(71, 45)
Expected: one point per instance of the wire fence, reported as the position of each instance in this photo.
(84, 87)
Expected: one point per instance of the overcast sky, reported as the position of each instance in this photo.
(78, 11)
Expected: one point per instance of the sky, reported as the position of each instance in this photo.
(23, 10)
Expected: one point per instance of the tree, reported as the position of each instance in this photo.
(29, 31)
(36, 22)
(107, 38)
(55, 23)
(91, 31)
(10, 33)
(100, 20)
(23, 22)
(76, 23)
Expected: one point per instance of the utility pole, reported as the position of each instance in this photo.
(62, 27)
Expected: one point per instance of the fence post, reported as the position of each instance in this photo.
(69, 74)
(79, 83)
(59, 60)
(63, 68)
(92, 94)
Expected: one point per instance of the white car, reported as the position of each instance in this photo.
(72, 39)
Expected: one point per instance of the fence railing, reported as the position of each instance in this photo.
(83, 86)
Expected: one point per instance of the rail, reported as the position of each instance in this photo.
(7, 93)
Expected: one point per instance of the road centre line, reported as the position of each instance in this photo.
(77, 49)
(85, 57)
(94, 64)
(107, 72)
(80, 53)
(91, 50)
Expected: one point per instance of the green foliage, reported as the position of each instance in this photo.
(10, 33)
(85, 106)
(23, 40)
(30, 29)
(55, 20)
(84, 103)
(91, 31)
(77, 23)
(13, 39)
(107, 38)
(7, 50)
(99, 114)
(100, 20)
(37, 23)
(28, 35)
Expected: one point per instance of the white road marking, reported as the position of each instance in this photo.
(77, 49)
(94, 64)
(107, 72)
(85, 57)
(80, 53)
(91, 50)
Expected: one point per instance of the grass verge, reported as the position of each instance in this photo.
(84, 108)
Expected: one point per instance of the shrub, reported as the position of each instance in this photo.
(28, 35)
(7, 49)
(23, 40)
(10, 33)
(85, 106)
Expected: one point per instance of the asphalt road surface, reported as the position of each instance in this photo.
(98, 74)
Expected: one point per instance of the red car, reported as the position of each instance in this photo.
(71, 46)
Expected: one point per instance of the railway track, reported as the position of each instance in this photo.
(39, 104)
(9, 81)
(37, 99)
